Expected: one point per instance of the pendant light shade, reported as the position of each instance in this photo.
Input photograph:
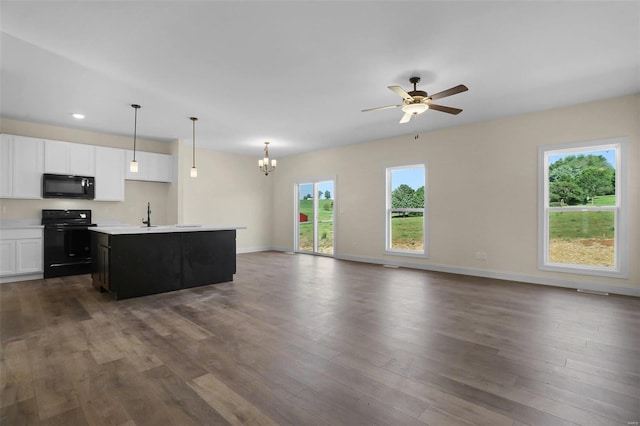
(133, 166)
(194, 170)
(265, 164)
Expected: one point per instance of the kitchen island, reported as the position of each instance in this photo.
(132, 261)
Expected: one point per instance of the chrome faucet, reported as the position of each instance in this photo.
(148, 221)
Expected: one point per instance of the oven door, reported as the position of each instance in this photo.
(67, 250)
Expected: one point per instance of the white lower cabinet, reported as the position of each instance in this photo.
(7, 257)
(20, 254)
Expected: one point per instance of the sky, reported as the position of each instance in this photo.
(609, 154)
(413, 177)
(307, 189)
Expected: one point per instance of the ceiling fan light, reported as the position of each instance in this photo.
(417, 108)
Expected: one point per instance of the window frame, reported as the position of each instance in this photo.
(424, 253)
(620, 268)
(296, 196)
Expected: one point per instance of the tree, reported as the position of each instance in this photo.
(327, 195)
(402, 197)
(418, 197)
(566, 192)
(595, 181)
(575, 178)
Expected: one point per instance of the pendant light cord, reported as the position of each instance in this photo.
(135, 128)
(194, 119)
(194, 143)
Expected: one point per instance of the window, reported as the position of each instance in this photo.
(316, 217)
(405, 212)
(582, 208)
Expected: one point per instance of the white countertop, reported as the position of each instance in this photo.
(20, 224)
(161, 229)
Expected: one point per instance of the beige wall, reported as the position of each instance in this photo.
(482, 186)
(229, 190)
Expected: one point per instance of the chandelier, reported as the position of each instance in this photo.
(266, 165)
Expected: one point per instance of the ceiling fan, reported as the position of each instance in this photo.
(418, 101)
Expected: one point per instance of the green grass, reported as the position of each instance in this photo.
(325, 237)
(600, 200)
(325, 226)
(568, 225)
(604, 200)
(325, 209)
(407, 232)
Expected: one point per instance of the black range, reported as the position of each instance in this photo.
(67, 242)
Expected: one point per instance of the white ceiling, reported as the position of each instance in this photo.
(299, 73)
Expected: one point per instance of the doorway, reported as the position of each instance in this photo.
(315, 217)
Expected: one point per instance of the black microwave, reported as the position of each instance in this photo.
(65, 186)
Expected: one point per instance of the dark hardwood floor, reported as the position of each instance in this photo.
(305, 340)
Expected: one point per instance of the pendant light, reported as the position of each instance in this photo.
(133, 166)
(194, 170)
(265, 164)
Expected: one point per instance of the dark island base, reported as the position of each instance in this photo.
(132, 265)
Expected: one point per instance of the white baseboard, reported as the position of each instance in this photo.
(252, 249)
(16, 278)
(554, 282)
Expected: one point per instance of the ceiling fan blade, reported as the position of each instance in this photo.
(405, 118)
(400, 91)
(445, 109)
(454, 90)
(384, 107)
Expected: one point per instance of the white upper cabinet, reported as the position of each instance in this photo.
(160, 167)
(143, 166)
(109, 174)
(6, 165)
(22, 161)
(151, 167)
(69, 158)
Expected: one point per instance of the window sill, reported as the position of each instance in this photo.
(585, 270)
(406, 253)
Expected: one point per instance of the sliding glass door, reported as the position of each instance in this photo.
(315, 217)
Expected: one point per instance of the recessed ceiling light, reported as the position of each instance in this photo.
(77, 116)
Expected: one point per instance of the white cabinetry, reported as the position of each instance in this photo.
(151, 167)
(69, 158)
(20, 254)
(6, 165)
(110, 163)
(21, 159)
(7, 257)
